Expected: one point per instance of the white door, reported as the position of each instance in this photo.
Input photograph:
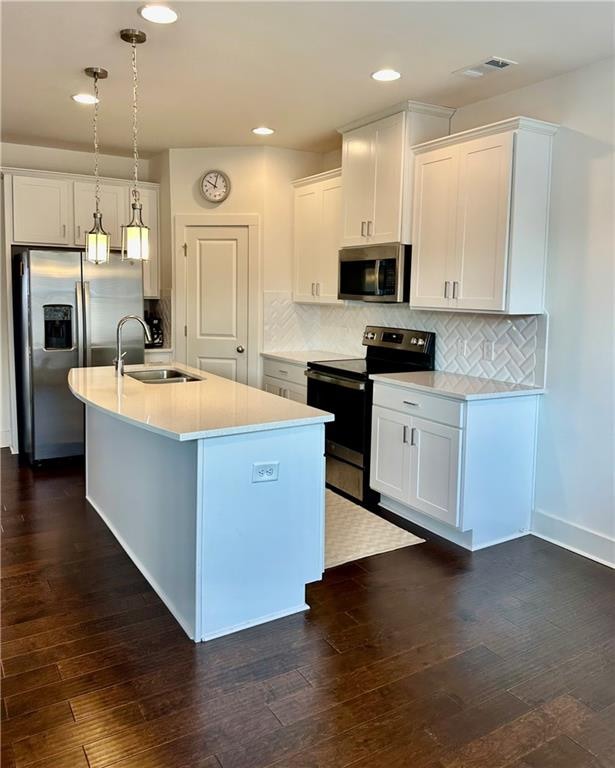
(113, 206)
(358, 184)
(433, 227)
(151, 279)
(217, 300)
(384, 224)
(41, 210)
(308, 203)
(330, 237)
(390, 453)
(483, 210)
(436, 455)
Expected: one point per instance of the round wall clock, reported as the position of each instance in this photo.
(215, 186)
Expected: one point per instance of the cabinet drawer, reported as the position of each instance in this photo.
(293, 372)
(417, 403)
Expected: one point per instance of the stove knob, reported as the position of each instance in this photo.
(413, 340)
(421, 342)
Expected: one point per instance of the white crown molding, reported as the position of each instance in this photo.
(334, 173)
(511, 124)
(409, 106)
(74, 177)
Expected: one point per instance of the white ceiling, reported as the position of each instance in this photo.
(302, 68)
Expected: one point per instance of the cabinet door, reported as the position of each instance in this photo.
(41, 210)
(271, 385)
(483, 212)
(113, 206)
(433, 228)
(308, 201)
(358, 170)
(436, 458)
(390, 453)
(151, 268)
(330, 236)
(384, 224)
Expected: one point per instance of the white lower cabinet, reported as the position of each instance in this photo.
(463, 469)
(416, 461)
(285, 379)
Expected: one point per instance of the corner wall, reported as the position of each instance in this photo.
(575, 499)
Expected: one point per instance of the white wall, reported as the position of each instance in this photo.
(575, 500)
(260, 183)
(69, 161)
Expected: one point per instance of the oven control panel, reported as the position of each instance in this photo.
(398, 338)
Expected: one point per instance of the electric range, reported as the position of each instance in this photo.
(343, 387)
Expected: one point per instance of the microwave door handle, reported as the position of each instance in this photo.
(377, 267)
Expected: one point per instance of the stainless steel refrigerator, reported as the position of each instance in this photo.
(65, 316)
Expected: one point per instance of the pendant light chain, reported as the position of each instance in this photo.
(135, 147)
(96, 149)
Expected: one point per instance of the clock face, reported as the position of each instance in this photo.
(215, 186)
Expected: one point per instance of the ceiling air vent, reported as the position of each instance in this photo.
(487, 67)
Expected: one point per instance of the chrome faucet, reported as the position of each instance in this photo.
(119, 355)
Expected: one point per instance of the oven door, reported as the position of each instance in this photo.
(346, 438)
(373, 273)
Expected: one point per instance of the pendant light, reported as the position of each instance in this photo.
(135, 235)
(97, 241)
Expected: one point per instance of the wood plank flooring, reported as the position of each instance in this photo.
(426, 657)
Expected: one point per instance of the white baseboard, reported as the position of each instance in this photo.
(256, 622)
(583, 541)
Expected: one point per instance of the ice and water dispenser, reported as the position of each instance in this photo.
(58, 322)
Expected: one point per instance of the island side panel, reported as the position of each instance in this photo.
(260, 542)
(144, 486)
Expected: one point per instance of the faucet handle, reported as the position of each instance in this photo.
(117, 360)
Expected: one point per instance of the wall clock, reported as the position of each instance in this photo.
(215, 186)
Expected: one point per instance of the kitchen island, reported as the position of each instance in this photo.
(213, 488)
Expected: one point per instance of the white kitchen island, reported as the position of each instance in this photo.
(182, 475)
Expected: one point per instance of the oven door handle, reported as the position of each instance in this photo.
(339, 381)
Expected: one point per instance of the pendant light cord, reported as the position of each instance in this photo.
(135, 149)
(96, 176)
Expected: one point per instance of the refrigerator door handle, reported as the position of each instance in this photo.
(87, 348)
(79, 322)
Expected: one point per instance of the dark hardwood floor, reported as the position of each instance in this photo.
(427, 657)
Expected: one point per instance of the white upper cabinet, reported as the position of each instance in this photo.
(481, 201)
(377, 172)
(318, 222)
(113, 206)
(57, 209)
(42, 210)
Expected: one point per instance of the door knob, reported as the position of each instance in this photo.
(240, 349)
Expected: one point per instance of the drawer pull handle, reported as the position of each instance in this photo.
(282, 371)
(409, 402)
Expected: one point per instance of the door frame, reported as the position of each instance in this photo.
(181, 223)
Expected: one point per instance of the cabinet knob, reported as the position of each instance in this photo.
(240, 349)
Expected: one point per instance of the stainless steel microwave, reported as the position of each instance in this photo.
(375, 273)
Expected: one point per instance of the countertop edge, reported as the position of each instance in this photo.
(439, 392)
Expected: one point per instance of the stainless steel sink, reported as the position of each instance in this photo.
(161, 376)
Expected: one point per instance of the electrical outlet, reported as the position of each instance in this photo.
(462, 348)
(488, 350)
(265, 471)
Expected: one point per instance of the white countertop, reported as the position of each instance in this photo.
(210, 407)
(305, 356)
(456, 385)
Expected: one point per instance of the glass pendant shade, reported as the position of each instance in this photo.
(97, 242)
(135, 237)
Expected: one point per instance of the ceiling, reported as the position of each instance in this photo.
(300, 67)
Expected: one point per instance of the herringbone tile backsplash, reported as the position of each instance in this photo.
(519, 341)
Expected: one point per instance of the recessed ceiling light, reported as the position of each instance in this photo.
(386, 75)
(262, 130)
(84, 98)
(159, 14)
